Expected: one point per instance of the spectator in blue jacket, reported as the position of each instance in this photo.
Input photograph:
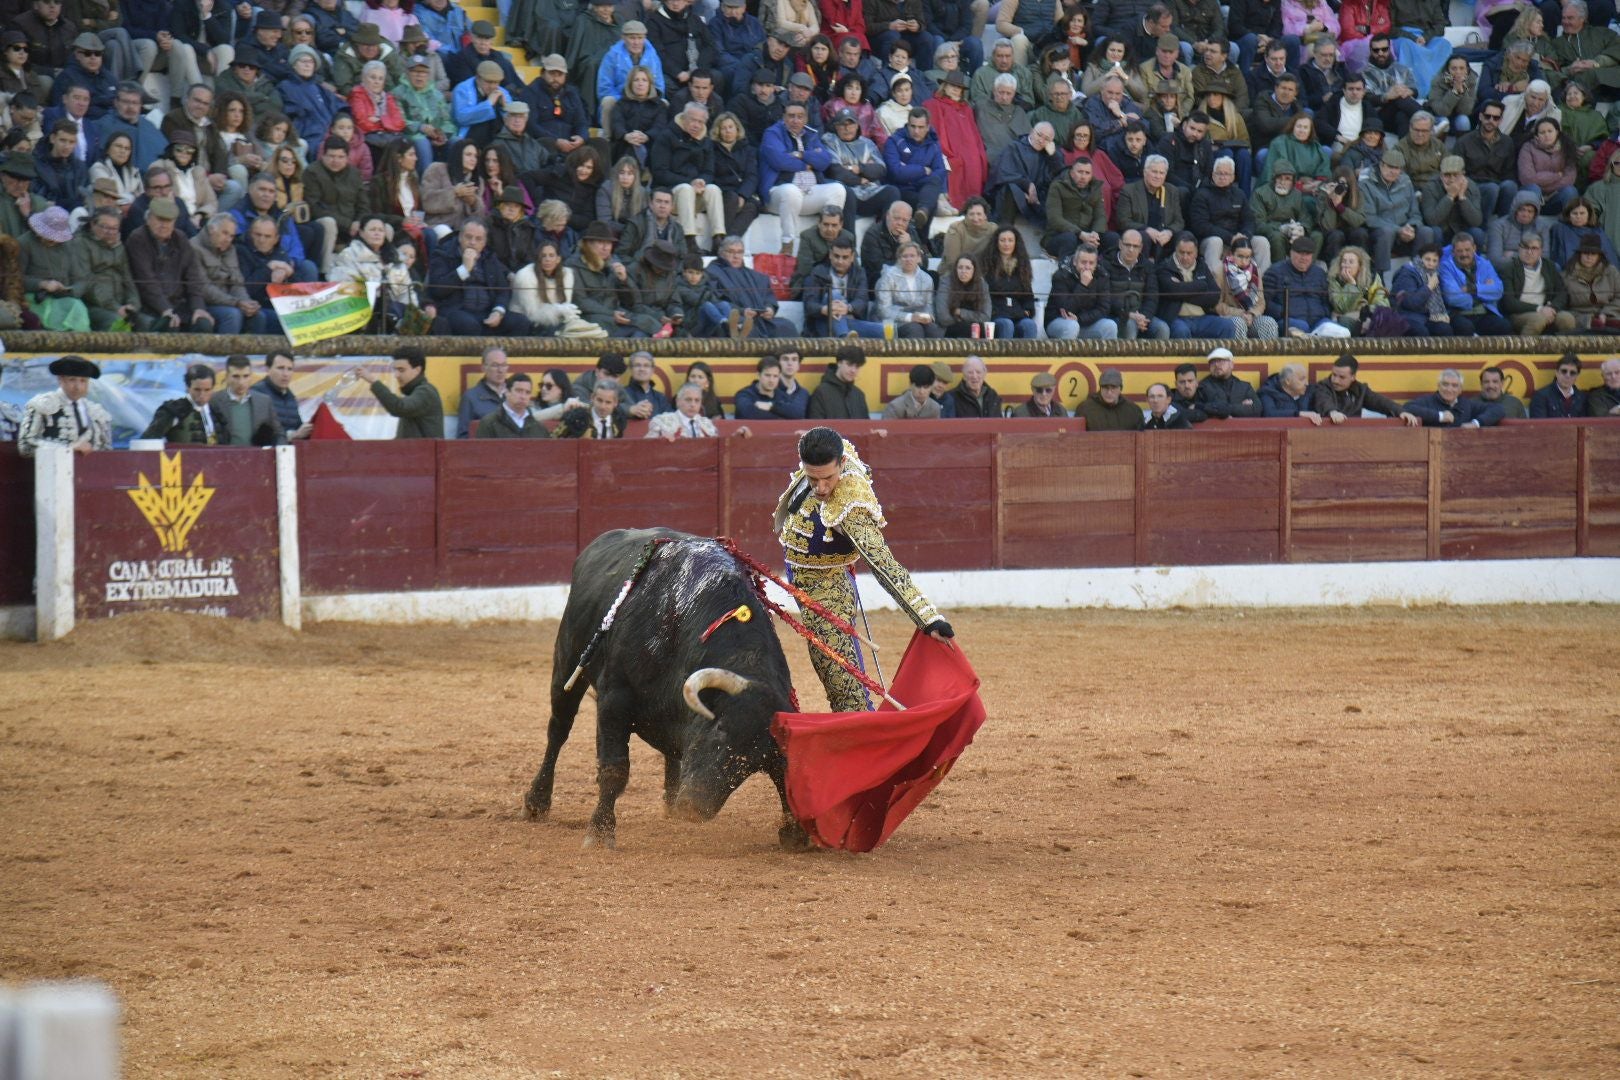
(443, 21)
(87, 67)
(309, 105)
(1296, 291)
(1472, 289)
(1560, 399)
(62, 176)
(1446, 407)
(763, 398)
(916, 163)
(469, 287)
(125, 118)
(793, 165)
(631, 51)
(479, 102)
(736, 35)
(795, 398)
(1288, 394)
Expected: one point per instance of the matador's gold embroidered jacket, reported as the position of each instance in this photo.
(834, 533)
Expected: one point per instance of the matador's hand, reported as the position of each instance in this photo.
(940, 630)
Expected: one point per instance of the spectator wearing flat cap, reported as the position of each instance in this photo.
(21, 199)
(1043, 400)
(365, 45)
(557, 114)
(87, 67)
(247, 76)
(1451, 202)
(1107, 408)
(66, 416)
(612, 74)
(426, 109)
(1394, 219)
(480, 49)
(773, 58)
(166, 272)
(478, 102)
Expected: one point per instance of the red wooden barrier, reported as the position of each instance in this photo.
(507, 511)
(1600, 489)
(17, 538)
(367, 516)
(964, 494)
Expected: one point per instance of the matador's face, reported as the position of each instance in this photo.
(824, 478)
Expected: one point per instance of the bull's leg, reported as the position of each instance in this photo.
(564, 708)
(612, 767)
(672, 781)
(791, 834)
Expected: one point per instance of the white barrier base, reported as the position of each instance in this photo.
(17, 623)
(1394, 584)
(1149, 588)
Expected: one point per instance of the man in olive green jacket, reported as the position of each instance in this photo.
(99, 261)
(418, 406)
(1075, 212)
(1107, 409)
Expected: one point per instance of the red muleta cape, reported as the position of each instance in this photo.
(853, 777)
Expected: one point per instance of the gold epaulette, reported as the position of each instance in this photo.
(854, 492)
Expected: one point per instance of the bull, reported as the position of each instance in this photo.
(706, 706)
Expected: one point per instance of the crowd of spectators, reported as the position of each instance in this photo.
(603, 402)
(1276, 168)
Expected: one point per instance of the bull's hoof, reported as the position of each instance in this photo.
(534, 811)
(792, 837)
(605, 840)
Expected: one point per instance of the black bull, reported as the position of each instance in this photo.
(706, 706)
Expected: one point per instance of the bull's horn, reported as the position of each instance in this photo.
(710, 678)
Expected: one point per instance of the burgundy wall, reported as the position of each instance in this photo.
(968, 495)
(17, 535)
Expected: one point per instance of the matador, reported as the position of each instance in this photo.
(827, 520)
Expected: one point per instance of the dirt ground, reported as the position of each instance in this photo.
(1365, 844)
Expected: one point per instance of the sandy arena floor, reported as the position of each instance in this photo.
(1375, 844)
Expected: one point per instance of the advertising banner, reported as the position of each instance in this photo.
(131, 389)
(191, 530)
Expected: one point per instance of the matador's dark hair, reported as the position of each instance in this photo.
(821, 446)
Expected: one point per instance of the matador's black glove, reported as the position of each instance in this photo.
(940, 627)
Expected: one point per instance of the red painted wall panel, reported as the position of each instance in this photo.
(17, 537)
(367, 516)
